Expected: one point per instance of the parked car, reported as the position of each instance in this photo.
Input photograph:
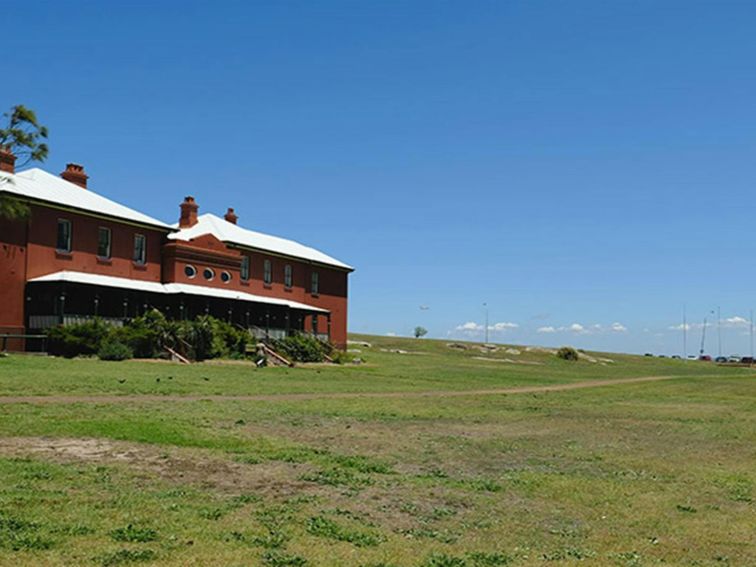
(676, 356)
(648, 354)
(746, 360)
(692, 357)
(734, 358)
(705, 358)
(720, 359)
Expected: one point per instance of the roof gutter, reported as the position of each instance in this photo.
(57, 206)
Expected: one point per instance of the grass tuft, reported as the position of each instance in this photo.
(134, 534)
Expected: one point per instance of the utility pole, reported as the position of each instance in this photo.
(486, 306)
(703, 333)
(685, 333)
(719, 331)
(751, 321)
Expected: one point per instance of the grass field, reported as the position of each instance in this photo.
(428, 457)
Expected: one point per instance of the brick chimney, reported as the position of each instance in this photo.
(75, 174)
(188, 213)
(7, 160)
(230, 216)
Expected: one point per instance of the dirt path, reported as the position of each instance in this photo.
(111, 399)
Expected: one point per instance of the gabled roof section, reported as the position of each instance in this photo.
(234, 234)
(38, 185)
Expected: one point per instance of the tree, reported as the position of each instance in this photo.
(24, 136)
(420, 332)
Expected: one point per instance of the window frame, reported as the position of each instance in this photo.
(142, 260)
(244, 270)
(268, 272)
(288, 276)
(69, 241)
(315, 283)
(100, 231)
(205, 271)
(190, 268)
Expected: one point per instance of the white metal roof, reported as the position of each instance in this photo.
(229, 232)
(170, 288)
(40, 185)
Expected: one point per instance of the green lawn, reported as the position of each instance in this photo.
(626, 474)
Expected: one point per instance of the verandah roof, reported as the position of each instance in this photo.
(170, 288)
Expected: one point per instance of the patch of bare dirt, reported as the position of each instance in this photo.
(185, 466)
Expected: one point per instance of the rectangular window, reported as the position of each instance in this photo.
(267, 272)
(103, 242)
(288, 276)
(315, 283)
(140, 249)
(245, 268)
(64, 236)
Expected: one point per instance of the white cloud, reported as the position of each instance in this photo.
(736, 321)
(580, 329)
(473, 328)
(686, 327)
(503, 326)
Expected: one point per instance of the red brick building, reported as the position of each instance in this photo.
(79, 255)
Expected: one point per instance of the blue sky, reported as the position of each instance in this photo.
(584, 168)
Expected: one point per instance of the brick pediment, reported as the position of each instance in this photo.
(206, 248)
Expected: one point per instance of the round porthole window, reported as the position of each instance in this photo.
(209, 274)
(225, 277)
(190, 271)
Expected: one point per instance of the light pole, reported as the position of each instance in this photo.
(751, 324)
(486, 327)
(685, 333)
(719, 332)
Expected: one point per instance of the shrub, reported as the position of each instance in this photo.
(341, 357)
(147, 335)
(111, 349)
(567, 353)
(302, 348)
(213, 338)
(76, 340)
